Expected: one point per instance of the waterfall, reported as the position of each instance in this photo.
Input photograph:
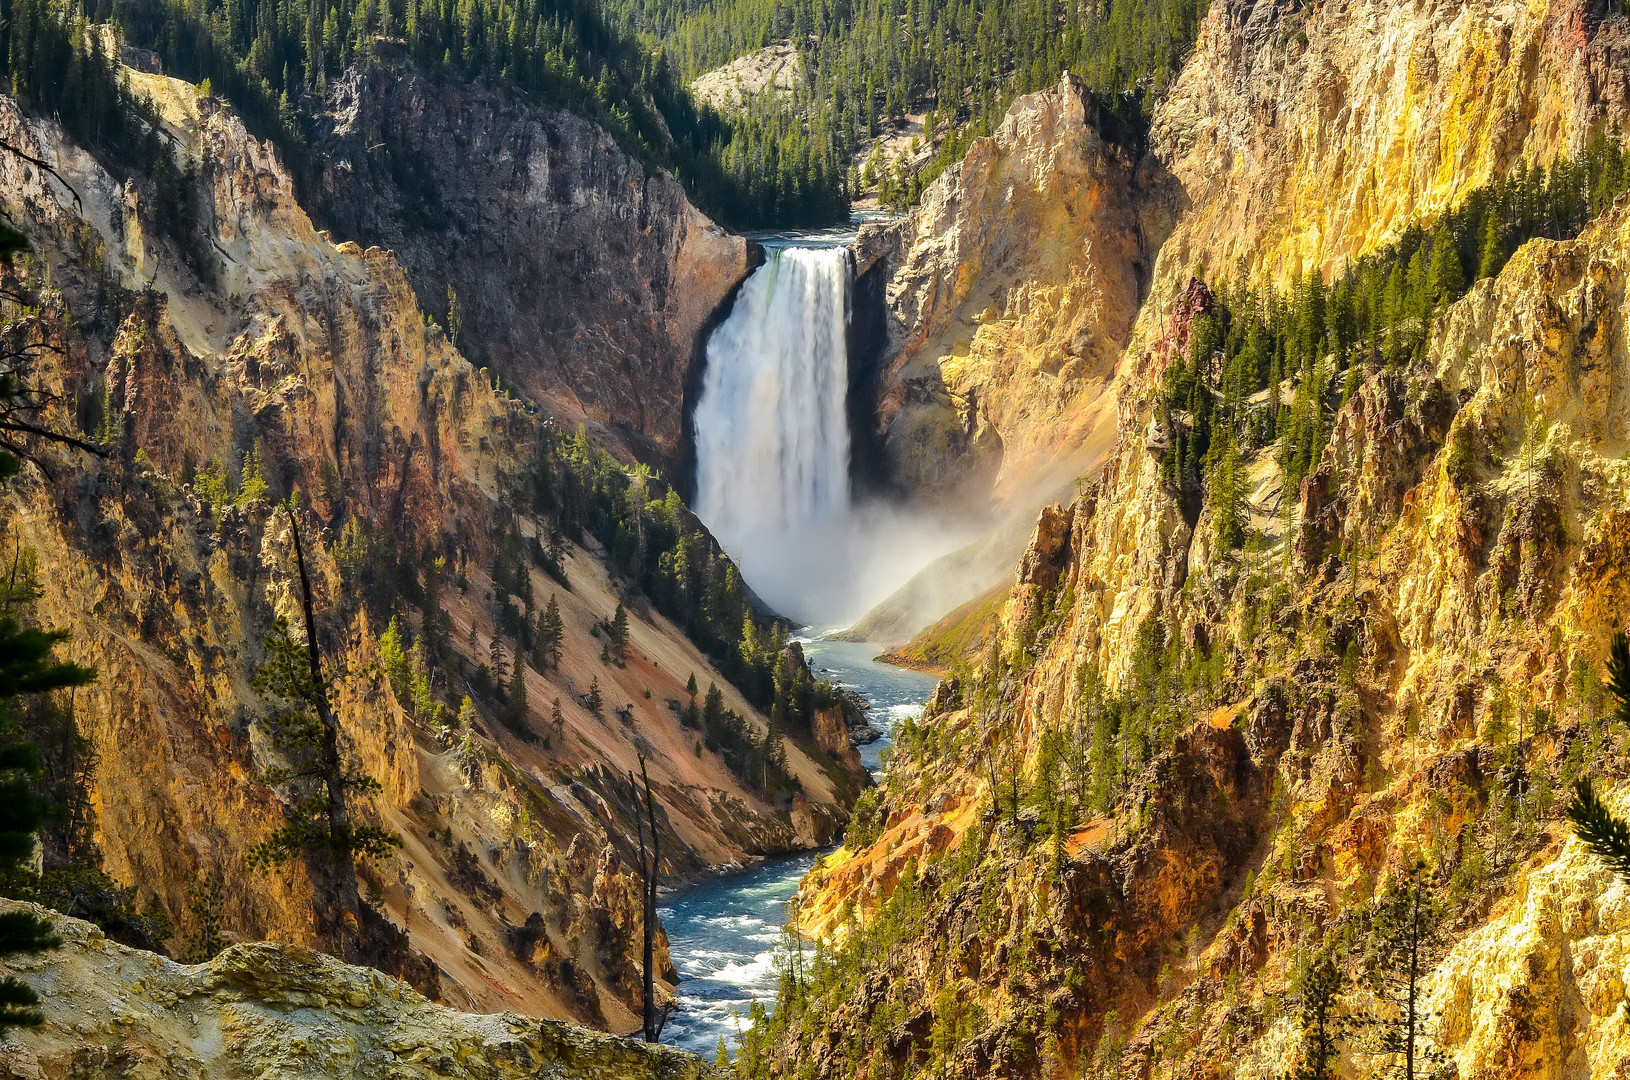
(772, 434)
(772, 450)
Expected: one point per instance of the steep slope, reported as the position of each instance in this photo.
(244, 335)
(264, 1010)
(579, 274)
(1299, 138)
(1306, 135)
(1007, 298)
(1190, 766)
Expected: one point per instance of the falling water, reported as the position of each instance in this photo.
(772, 483)
(772, 436)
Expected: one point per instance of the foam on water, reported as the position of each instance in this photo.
(771, 429)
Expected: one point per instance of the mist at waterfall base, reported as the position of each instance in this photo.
(772, 450)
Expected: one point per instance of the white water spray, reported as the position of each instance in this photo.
(772, 441)
(772, 449)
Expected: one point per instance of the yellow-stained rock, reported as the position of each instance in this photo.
(287, 1012)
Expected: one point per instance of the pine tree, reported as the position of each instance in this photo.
(713, 712)
(1227, 489)
(650, 865)
(549, 634)
(252, 478)
(495, 664)
(26, 667)
(1605, 834)
(1321, 985)
(596, 701)
(557, 719)
(318, 783)
(27, 664)
(424, 704)
(517, 692)
(393, 658)
(433, 627)
(617, 633)
(1491, 247)
(1404, 944)
(690, 716)
(1448, 279)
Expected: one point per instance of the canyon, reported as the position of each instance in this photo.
(1173, 757)
(257, 337)
(1424, 583)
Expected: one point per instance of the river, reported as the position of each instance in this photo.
(723, 932)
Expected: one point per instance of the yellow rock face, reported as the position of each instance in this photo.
(1477, 516)
(1303, 138)
(285, 1011)
(1539, 991)
(1011, 292)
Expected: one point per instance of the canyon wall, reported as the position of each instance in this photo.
(1398, 664)
(581, 275)
(1010, 293)
(1006, 297)
(1303, 136)
(240, 333)
(1295, 138)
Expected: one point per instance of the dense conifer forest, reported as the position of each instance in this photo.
(774, 162)
(962, 63)
(273, 59)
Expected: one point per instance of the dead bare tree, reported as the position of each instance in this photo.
(652, 1022)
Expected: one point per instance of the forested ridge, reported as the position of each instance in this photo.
(774, 162)
(1269, 367)
(866, 62)
(273, 59)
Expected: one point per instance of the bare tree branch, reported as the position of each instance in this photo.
(37, 163)
(8, 424)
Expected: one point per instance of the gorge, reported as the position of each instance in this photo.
(1230, 413)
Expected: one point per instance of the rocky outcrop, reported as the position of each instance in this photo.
(284, 1010)
(776, 68)
(843, 725)
(580, 275)
(1011, 293)
(1539, 990)
(1303, 135)
(837, 719)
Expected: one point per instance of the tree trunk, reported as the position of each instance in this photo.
(336, 876)
(648, 894)
(652, 1030)
(1414, 962)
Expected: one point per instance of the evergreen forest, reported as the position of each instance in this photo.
(961, 63)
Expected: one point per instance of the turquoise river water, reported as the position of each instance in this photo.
(722, 933)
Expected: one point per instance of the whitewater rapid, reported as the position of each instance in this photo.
(723, 933)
